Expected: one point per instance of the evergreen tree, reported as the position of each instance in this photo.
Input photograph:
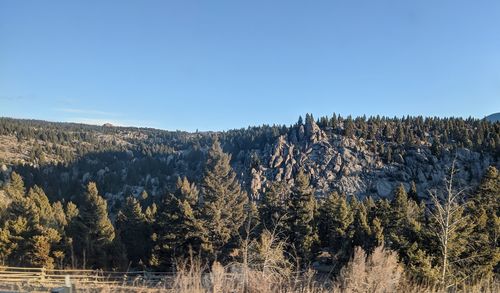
(420, 264)
(47, 230)
(6, 245)
(382, 212)
(179, 228)
(400, 136)
(301, 212)
(377, 235)
(335, 219)
(150, 213)
(361, 231)
(40, 248)
(19, 225)
(273, 209)
(15, 188)
(117, 255)
(59, 216)
(413, 193)
(223, 210)
(45, 213)
(388, 132)
(484, 210)
(404, 226)
(71, 229)
(94, 231)
(349, 128)
(29, 230)
(134, 231)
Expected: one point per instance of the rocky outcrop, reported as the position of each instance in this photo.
(336, 163)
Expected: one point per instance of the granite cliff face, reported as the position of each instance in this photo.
(351, 166)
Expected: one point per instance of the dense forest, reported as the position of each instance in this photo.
(118, 198)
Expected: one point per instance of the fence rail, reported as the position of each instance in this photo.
(22, 275)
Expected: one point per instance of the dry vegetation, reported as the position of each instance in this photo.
(378, 272)
(14, 151)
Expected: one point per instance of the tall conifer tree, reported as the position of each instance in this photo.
(94, 232)
(223, 210)
(179, 228)
(484, 210)
(134, 231)
(273, 208)
(335, 219)
(302, 210)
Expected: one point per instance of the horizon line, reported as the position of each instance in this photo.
(118, 125)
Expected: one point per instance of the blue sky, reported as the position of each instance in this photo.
(214, 65)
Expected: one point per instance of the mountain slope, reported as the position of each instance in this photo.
(354, 156)
(493, 117)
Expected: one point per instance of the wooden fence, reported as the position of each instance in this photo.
(53, 277)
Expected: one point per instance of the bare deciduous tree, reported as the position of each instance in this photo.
(447, 222)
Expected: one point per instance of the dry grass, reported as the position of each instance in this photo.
(379, 272)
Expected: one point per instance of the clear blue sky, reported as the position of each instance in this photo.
(213, 65)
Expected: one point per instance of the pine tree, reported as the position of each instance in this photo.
(382, 212)
(40, 248)
(413, 193)
(150, 213)
(484, 210)
(377, 235)
(18, 228)
(117, 255)
(15, 188)
(179, 228)
(94, 231)
(361, 231)
(47, 230)
(399, 206)
(223, 210)
(349, 128)
(404, 226)
(71, 215)
(6, 245)
(29, 230)
(59, 216)
(400, 136)
(335, 219)
(134, 231)
(273, 209)
(420, 264)
(301, 212)
(42, 204)
(187, 191)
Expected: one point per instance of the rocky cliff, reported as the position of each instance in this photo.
(352, 166)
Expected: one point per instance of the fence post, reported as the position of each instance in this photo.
(42, 274)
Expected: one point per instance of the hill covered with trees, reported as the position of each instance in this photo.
(109, 197)
(362, 156)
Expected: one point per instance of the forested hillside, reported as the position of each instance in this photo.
(76, 195)
(355, 156)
